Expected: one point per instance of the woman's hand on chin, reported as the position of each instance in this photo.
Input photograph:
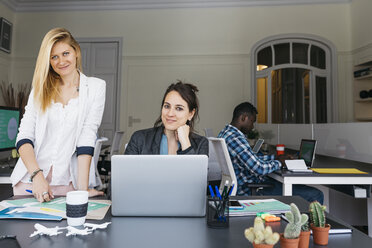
(183, 136)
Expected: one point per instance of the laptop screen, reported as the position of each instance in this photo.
(307, 151)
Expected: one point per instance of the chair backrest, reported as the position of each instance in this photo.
(220, 154)
(93, 173)
(117, 142)
(208, 132)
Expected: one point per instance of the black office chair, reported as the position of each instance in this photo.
(255, 187)
(104, 165)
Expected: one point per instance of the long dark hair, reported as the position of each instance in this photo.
(188, 93)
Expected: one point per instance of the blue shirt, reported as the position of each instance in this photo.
(248, 166)
(164, 145)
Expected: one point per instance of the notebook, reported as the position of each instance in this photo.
(307, 151)
(258, 145)
(159, 185)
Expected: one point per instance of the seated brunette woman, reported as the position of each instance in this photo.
(173, 130)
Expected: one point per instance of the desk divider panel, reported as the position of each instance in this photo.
(351, 141)
(268, 132)
(291, 134)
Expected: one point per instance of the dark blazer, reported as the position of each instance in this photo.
(147, 141)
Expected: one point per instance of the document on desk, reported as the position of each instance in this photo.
(297, 165)
(338, 171)
(29, 208)
(251, 207)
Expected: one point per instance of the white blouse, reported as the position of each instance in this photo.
(58, 147)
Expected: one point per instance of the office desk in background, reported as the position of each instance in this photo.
(290, 178)
(145, 232)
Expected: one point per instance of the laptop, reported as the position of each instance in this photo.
(258, 145)
(159, 185)
(307, 151)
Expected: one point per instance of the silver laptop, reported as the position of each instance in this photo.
(258, 145)
(158, 185)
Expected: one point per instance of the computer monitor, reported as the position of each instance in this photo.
(307, 151)
(9, 123)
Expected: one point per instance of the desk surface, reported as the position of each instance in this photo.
(331, 162)
(164, 232)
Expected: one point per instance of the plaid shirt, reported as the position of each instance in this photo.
(248, 166)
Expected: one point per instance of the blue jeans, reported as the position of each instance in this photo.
(308, 193)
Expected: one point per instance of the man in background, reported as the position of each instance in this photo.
(252, 168)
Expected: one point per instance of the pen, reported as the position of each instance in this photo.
(218, 192)
(232, 187)
(224, 192)
(211, 191)
(29, 191)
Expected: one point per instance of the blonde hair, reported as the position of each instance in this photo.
(45, 80)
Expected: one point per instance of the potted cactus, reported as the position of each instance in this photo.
(260, 236)
(292, 231)
(304, 236)
(317, 223)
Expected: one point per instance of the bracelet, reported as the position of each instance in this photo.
(34, 174)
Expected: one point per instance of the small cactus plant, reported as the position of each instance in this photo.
(295, 221)
(305, 227)
(261, 235)
(317, 214)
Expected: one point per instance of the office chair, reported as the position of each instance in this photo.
(208, 132)
(105, 164)
(218, 153)
(94, 173)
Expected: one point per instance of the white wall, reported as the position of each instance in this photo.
(213, 37)
(361, 20)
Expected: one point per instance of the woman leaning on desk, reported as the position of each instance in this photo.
(58, 130)
(173, 130)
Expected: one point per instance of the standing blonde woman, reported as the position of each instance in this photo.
(58, 130)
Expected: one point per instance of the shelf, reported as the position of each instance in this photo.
(364, 100)
(362, 106)
(363, 77)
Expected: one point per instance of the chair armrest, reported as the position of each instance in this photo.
(259, 185)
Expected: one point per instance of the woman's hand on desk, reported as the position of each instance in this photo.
(41, 189)
(94, 192)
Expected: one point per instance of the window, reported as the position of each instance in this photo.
(293, 80)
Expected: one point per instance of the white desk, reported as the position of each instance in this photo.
(288, 179)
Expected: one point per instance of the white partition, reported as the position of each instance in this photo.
(269, 132)
(291, 134)
(345, 140)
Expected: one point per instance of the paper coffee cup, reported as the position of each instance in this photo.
(280, 149)
(76, 207)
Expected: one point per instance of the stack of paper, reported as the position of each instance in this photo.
(30, 208)
(251, 207)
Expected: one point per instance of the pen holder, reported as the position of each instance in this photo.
(217, 212)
